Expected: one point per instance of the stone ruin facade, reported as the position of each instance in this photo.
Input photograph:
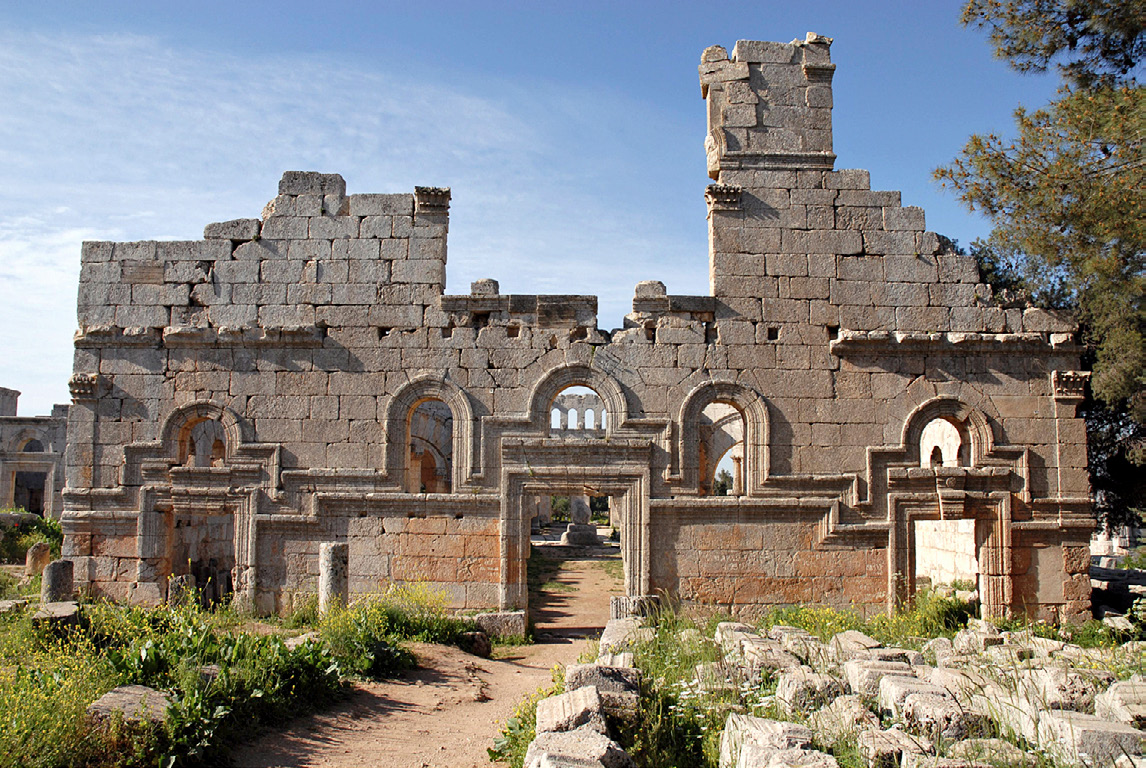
(304, 378)
(31, 458)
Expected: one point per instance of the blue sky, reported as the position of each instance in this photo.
(571, 133)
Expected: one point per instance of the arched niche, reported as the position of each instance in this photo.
(28, 437)
(187, 431)
(545, 392)
(398, 415)
(947, 423)
(754, 410)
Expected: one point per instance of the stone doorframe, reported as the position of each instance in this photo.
(626, 480)
(991, 511)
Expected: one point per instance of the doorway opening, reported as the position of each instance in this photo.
(946, 555)
(28, 491)
(572, 578)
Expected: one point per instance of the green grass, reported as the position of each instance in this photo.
(614, 568)
(542, 571)
(47, 679)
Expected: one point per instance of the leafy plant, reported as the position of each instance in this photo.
(521, 728)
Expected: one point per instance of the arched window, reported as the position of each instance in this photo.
(33, 446)
(555, 419)
(430, 430)
(203, 445)
(722, 449)
(590, 420)
(573, 418)
(942, 445)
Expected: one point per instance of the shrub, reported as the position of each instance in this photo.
(21, 535)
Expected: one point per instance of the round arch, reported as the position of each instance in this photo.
(554, 382)
(24, 436)
(399, 410)
(972, 425)
(754, 409)
(179, 423)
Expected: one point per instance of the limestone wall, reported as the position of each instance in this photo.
(837, 329)
(31, 458)
(945, 551)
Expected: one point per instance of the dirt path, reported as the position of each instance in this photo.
(445, 713)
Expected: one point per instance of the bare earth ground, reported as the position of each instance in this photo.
(448, 711)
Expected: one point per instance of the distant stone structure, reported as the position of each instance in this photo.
(303, 378)
(31, 458)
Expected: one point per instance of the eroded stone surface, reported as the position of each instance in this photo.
(304, 377)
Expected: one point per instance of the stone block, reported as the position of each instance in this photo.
(132, 703)
(801, 690)
(909, 218)
(887, 749)
(939, 718)
(1124, 701)
(747, 740)
(894, 690)
(1062, 687)
(619, 635)
(991, 752)
(1081, 738)
(580, 747)
(851, 644)
(382, 205)
(842, 242)
(502, 623)
(864, 675)
(308, 182)
(842, 720)
(850, 178)
(236, 229)
(579, 708)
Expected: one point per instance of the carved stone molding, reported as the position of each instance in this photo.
(723, 197)
(1069, 386)
(84, 386)
(432, 199)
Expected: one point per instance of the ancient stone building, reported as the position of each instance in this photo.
(31, 458)
(304, 378)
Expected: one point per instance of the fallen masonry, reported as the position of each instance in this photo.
(950, 715)
(303, 379)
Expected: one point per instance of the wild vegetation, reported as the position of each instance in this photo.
(682, 718)
(222, 678)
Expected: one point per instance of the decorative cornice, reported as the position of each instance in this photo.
(196, 336)
(1069, 386)
(819, 73)
(431, 199)
(723, 197)
(899, 342)
(84, 386)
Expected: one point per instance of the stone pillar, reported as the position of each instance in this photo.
(333, 575)
(580, 533)
(737, 476)
(579, 510)
(545, 509)
(37, 558)
(57, 585)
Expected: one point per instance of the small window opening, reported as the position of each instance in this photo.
(512, 331)
(773, 333)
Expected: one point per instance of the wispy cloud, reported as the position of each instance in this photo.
(123, 137)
